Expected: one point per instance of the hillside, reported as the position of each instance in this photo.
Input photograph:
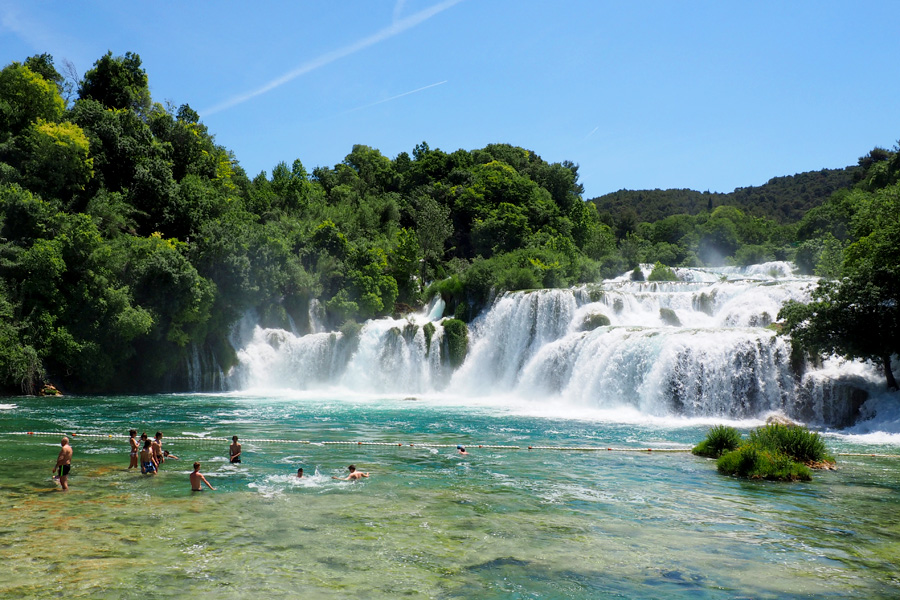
(783, 199)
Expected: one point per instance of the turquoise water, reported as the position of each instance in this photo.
(428, 523)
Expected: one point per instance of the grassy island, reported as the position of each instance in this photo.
(775, 451)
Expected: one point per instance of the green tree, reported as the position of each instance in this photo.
(25, 97)
(117, 82)
(858, 316)
(56, 162)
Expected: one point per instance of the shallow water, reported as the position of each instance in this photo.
(428, 523)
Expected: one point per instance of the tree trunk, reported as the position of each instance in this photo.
(891, 382)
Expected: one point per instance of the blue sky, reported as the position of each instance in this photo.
(704, 95)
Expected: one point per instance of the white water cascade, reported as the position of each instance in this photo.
(700, 346)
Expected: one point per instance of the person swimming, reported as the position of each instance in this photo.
(462, 450)
(353, 476)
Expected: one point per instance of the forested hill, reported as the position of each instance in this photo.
(783, 199)
(131, 242)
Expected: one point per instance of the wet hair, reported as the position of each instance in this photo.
(196, 466)
(300, 471)
(352, 468)
(146, 444)
(159, 434)
(143, 435)
(234, 438)
(132, 432)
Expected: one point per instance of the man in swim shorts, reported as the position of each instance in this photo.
(148, 462)
(234, 451)
(156, 444)
(197, 479)
(353, 476)
(64, 464)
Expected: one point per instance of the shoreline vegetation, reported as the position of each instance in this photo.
(131, 242)
(776, 451)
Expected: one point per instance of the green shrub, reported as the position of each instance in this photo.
(428, 329)
(456, 333)
(661, 272)
(753, 461)
(797, 442)
(669, 317)
(593, 321)
(719, 439)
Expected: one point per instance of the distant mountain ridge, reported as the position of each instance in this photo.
(784, 199)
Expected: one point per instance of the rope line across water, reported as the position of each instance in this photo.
(400, 444)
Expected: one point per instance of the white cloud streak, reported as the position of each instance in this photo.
(397, 27)
(415, 91)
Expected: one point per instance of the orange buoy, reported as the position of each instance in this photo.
(30, 433)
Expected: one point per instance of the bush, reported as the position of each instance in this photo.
(669, 317)
(775, 451)
(754, 461)
(593, 321)
(661, 272)
(428, 329)
(456, 334)
(719, 439)
(797, 442)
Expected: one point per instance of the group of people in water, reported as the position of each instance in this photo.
(149, 455)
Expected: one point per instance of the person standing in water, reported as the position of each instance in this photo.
(64, 464)
(135, 449)
(300, 472)
(234, 451)
(197, 478)
(353, 476)
(156, 445)
(148, 461)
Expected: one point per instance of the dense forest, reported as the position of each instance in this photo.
(130, 241)
(784, 199)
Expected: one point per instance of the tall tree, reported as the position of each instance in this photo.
(117, 82)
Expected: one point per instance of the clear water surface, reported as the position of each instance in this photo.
(428, 523)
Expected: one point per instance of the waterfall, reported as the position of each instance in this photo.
(202, 371)
(697, 347)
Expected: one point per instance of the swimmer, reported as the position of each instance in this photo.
(353, 476)
(135, 450)
(197, 478)
(462, 450)
(148, 463)
(64, 464)
(167, 455)
(300, 472)
(234, 451)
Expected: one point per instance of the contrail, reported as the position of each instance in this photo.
(395, 97)
(395, 28)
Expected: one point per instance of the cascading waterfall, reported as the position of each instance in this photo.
(697, 347)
